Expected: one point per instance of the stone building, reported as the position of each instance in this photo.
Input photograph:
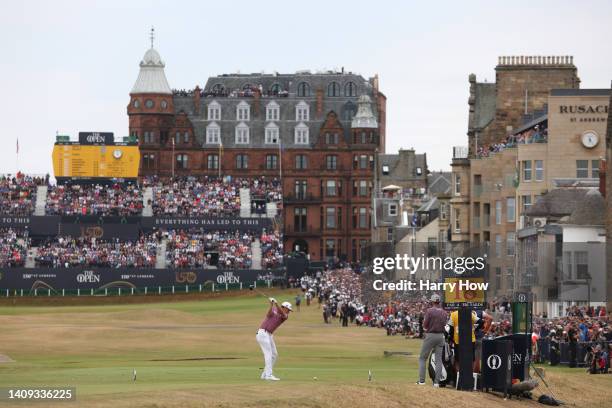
(517, 151)
(317, 132)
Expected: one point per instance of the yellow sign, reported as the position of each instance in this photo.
(464, 293)
(87, 161)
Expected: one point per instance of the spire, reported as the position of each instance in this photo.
(152, 35)
(151, 78)
(364, 117)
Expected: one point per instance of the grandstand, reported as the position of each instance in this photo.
(152, 227)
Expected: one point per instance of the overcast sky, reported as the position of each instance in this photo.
(69, 65)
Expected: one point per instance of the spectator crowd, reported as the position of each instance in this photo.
(118, 199)
(18, 193)
(536, 134)
(14, 246)
(66, 252)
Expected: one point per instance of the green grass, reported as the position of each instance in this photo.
(95, 349)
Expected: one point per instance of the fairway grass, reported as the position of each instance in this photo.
(204, 353)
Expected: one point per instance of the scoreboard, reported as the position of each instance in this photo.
(77, 160)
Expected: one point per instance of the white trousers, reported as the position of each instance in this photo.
(266, 342)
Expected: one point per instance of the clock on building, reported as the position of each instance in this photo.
(590, 139)
(117, 154)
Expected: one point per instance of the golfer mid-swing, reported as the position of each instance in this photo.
(275, 317)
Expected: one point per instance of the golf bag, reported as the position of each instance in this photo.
(448, 374)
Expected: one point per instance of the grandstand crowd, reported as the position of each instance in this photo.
(18, 193)
(13, 247)
(115, 199)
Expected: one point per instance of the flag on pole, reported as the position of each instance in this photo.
(17, 145)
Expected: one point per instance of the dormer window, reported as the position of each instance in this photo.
(214, 111)
(271, 136)
(385, 170)
(242, 134)
(243, 111)
(272, 111)
(301, 134)
(213, 134)
(302, 112)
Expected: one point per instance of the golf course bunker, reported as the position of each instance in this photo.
(6, 359)
(200, 359)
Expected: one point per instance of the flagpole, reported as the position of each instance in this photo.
(280, 159)
(220, 156)
(17, 158)
(173, 158)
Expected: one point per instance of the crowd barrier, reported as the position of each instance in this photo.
(94, 280)
(544, 351)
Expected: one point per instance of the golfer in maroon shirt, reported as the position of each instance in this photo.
(275, 317)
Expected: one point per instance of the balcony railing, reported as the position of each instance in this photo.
(301, 198)
(309, 230)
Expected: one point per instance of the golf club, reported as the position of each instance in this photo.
(251, 287)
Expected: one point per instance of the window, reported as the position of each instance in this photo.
(330, 248)
(272, 111)
(331, 138)
(271, 161)
(595, 168)
(272, 134)
(392, 210)
(497, 277)
(330, 217)
(363, 217)
(361, 162)
(419, 171)
(510, 209)
(350, 89)
(214, 111)
(582, 264)
(303, 89)
(148, 137)
(302, 112)
(213, 134)
(243, 111)
(539, 170)
(582, 168)
(330, 188)
(301, 189)
(362, 188)
(242, 161)
(331, 162)
(567, 261)
(186, 137)
(181, 161)
(457, 184)
(498, 245)
(457, 221)
(526, 203)
(301, 134)
(213, 161)
(177, 138)
(333, 89)
(299, 219)
(498, 212)
(385, 169)
(301, 162)
(526, 170)
(510, 236)
(148, 161)
(275, 89)
(443, 211)
(242, 134)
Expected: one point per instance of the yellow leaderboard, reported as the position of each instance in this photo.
(87, 161)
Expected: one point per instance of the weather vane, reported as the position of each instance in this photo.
(152, 35)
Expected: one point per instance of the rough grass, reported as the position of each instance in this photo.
(202, 353)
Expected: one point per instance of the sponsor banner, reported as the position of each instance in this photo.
(243, 224)
(123, 232)
(57, 279)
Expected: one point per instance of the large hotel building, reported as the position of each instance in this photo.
(317, 132)
(531, 132)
